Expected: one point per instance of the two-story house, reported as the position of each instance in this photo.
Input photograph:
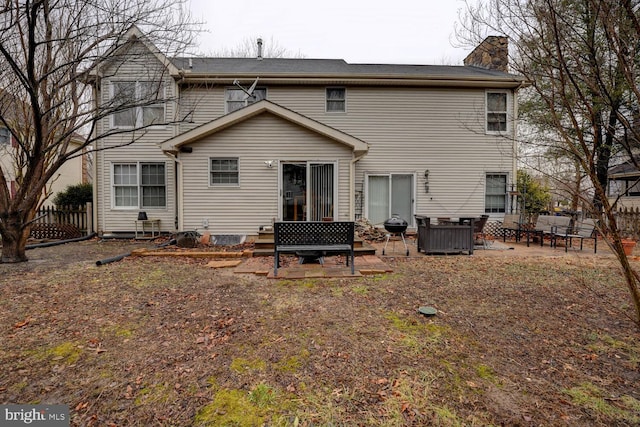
(231, 144)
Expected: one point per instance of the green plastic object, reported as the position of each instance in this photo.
(427, 311)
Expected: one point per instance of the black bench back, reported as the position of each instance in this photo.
(314, 233)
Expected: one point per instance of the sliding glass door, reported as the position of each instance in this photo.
(308, 191)
(389, 195)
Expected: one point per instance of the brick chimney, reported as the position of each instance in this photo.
(492, 53)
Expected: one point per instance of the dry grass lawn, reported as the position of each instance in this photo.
(165, 342)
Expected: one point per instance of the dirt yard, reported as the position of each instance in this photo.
(517, 340)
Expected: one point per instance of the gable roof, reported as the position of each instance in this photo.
(625, 169)
(133, 35)
(322, 71)
(173, 145)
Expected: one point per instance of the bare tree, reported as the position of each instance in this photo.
(51, 55)
(581, 59)
(249, 48)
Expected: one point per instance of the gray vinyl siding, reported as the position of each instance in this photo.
(241, 209)
(144, 148)
(202, 103)
(437, 130)
(409, 130)
(113, 219)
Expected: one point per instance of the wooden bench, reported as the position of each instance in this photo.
(313, 236)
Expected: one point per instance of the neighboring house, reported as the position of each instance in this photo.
(71, 172)
(317, 138)
(624, 185)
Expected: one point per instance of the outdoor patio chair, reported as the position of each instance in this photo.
(585, 229)
(511, 224)
(478, 230)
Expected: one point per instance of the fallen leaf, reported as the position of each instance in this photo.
(80, 406)
(22, 324)
(405, 407)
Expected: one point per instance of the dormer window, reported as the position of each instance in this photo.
(237, 98)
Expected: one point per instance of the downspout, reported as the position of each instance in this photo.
(60, 242)
(99, 207)
(97, 183)
(177, 188)
(177, 181)
(514, 166)
(352, 186)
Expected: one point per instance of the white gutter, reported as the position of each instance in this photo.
(473, 82)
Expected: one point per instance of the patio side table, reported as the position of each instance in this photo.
(155, 226)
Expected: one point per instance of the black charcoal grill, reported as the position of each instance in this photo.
(395, 226)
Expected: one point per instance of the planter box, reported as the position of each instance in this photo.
(444, 239)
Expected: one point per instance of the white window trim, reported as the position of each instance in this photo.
(486, 112)
(326, 100)
(414, 195)
(139, 187)
(507, 198)
(139, 109)
(211, 184)
(309, 163)
(234, 88)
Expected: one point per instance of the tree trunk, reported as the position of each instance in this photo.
(14, 239)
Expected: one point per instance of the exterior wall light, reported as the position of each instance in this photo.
(426, 181)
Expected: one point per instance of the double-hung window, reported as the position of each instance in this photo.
(627, 187)
(495, 193)
(336, 100)
(139, 185)
(496, 111)
(137, 104)
(224, 171)
(237, 98)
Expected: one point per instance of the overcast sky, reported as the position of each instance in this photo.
(358, 31)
